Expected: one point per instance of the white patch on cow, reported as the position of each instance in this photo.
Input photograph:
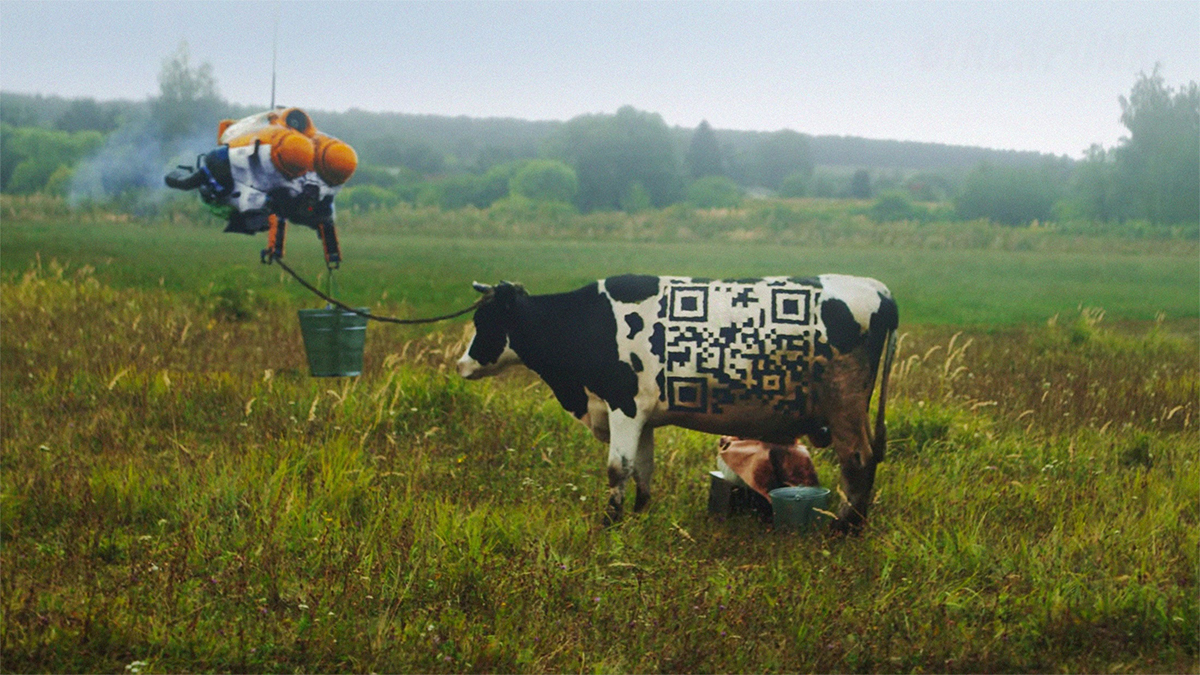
(639, 345)
(471, 369)
(729, 474)
(625, 433)
(860, 294)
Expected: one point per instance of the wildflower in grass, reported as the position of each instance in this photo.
(136, 667)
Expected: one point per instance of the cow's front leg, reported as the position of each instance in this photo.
(853, 447)
(643, 467)
(624, 437)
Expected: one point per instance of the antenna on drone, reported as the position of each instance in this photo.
(274, 55)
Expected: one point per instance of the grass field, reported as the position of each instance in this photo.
(177, 495)
(424, 275)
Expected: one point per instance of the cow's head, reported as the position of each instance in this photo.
(490, 351)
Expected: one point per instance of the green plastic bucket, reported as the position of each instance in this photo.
(792, 508)
(333, 340)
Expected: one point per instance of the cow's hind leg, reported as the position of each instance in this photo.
(625, 435)
(643, 467)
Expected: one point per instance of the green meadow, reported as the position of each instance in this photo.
(177, 494)
(423, 261)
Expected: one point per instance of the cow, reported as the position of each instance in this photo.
(771, 359)
(763, 467)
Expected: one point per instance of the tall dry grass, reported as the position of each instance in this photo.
(177, 495)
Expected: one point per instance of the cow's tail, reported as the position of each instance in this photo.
(879, 442)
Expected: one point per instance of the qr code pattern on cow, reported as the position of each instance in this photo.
(731, 344)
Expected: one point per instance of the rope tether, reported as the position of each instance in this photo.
(386, 319)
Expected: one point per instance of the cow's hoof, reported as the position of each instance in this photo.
(641, 501)
(846, 528)
(612, 516)
(849, 521)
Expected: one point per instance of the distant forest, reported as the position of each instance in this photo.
(402, 139)
(629, 160)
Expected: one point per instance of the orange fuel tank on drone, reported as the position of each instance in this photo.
(291, 151)
(334, 161)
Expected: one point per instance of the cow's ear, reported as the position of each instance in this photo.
(517, 286)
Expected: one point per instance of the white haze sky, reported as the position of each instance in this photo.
(1041, 76)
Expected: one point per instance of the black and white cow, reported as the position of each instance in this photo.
(770, 359)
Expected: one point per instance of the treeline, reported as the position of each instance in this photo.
(630, 160)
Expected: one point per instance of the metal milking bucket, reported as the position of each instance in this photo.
(333, 341)
(796, 508)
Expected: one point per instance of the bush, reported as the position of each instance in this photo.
(1007, 195)
(635, 198)
(545, 180)
(518, 208)
(860, 184)
(59, 182)
(367, 197)
(795, 185)
(714, 192)
(894, 206)
(29, 156)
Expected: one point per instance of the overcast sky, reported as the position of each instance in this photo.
(1039, 76)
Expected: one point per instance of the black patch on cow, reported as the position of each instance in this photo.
(631, 287)
(636, 363)
(570, 340)
(661, 381)
(885, 320)
(747, 280)
(806, 281)
(635, 323)
(841, 328)
(658, 340)
(821, 346)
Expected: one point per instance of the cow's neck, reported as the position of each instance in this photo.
(563, 338)
(552, 331)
